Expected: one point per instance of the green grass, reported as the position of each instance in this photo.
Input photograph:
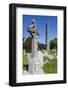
(50, 67)
(51, 52)
(25, 59)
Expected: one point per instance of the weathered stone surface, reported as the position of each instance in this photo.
(40, 56)
(35, 65)
(34, 47)
(25, 72)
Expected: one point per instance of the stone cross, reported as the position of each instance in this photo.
(32, 29)
(34, 62)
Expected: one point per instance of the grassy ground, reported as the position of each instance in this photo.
(25, 61)
(51, 52)
(50, 67)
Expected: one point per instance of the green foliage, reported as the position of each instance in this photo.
(51, 52)
(41, 46)
(53, 44)
(50, 67)
(27, 44)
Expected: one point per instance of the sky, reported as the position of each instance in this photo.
(41, 24)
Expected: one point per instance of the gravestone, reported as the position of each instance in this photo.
(35, 66)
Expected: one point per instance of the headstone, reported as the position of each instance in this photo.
(35, 66)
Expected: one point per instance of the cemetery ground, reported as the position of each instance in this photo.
(49, 66)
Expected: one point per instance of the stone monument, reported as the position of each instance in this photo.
(34, 62)
(47, 37)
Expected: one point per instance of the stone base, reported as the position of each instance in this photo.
(35, 66)
(25, 72)
(40, 71)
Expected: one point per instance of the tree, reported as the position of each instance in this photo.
(27, 44)
(53, 44)
(41, 46)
